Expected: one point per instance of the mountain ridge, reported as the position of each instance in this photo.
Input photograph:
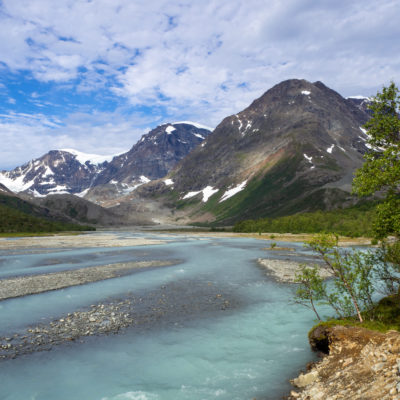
(293, 149)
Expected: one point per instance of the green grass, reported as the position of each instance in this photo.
(34, 234)
(384, 317)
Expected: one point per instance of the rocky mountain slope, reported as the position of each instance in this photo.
(71, 171)
(152, 157)
(293, 149)
(58, 171)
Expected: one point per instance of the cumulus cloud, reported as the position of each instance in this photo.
(26, 136)
(196, 60)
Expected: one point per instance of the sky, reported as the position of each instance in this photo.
(94, 75)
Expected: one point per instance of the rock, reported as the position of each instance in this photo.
(359, 364)
(305, 380)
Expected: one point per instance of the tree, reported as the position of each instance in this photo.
(352, 287)
(311, 288)
(381, 170)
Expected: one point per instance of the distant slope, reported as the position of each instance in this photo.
(58, 171)
(69, 171)
(17, 215)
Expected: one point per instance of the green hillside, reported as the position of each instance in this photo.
(17, 215)
(353, 221)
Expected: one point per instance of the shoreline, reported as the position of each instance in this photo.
(34, 284)
(74, 241)
(284, 271)
(107, 239)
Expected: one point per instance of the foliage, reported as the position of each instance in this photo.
(351, 290)
(384, 316)
(381, 170)
(311, 288)
(354, 221)
(18, 216)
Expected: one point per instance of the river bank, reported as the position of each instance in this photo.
(359, 364)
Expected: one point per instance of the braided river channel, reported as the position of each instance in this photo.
(213, 325)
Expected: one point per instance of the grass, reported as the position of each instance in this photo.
(34, 234)
(383, 317)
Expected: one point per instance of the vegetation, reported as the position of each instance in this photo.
(381, 170)
(354, 221)
(384, 316)
(357, 275)
(351, 290)
(18, 216)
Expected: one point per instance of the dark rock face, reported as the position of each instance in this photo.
(361, 103)
(289, 149)
(155, 154)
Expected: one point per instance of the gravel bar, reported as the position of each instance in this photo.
(27, 285)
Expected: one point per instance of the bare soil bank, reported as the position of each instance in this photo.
(361, 365)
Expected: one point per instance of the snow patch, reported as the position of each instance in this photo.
(83, 193)
(169, 129)
(16, 185)
(330, 149)
(92, 158)
(208, 191)
(231, 192)
(47, 172)
(199, 136)
(195, 124)
(168, 182)
(190, 195)
(144, 179)
(309, 159)
(341, 148)
(306, 92)
(364, 131)
(359, 97)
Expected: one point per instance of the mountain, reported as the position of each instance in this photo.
(74, 172)
(152, 157)
(362, 103)
(19, 215)
(293, 149)
(58, 171)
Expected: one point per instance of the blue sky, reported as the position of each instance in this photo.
(96, 75)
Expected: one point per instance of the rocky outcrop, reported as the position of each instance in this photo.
(358, 364)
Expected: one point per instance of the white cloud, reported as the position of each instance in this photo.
(201, 60)
(25, 136)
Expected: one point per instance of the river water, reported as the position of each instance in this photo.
(228, 330)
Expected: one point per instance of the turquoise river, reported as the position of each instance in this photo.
(245, 347)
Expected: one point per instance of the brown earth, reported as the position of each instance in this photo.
(360, 365)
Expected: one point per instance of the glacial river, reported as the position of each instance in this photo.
(230, 331)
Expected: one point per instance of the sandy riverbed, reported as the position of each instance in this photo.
(274, 237)
(85, 240)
